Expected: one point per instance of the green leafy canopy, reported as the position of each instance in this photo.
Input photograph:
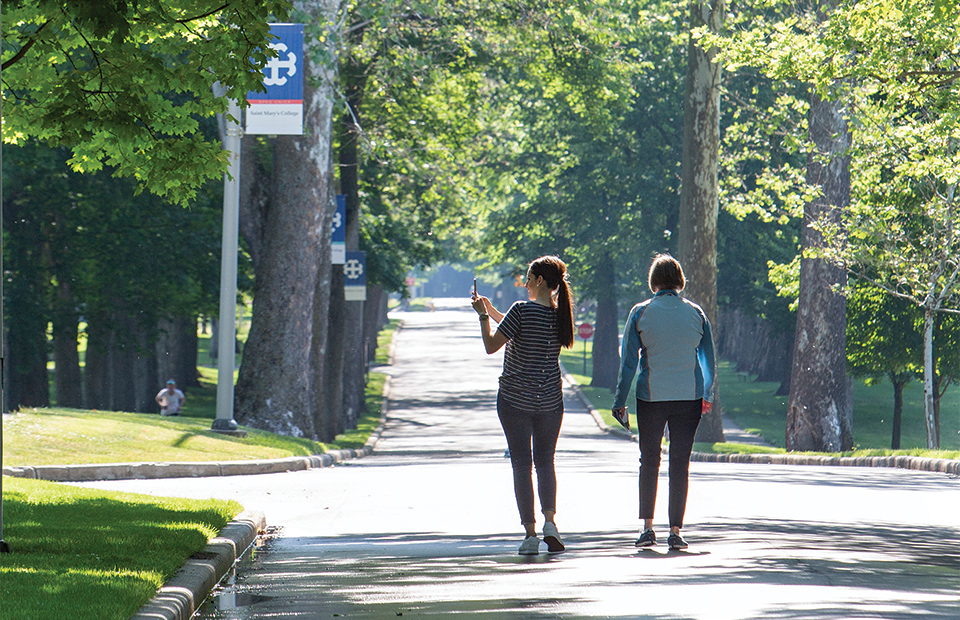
(124, 83)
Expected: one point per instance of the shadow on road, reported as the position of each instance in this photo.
(408, 574)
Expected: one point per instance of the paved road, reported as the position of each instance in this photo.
(427, 526)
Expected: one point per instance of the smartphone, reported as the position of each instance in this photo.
(474, 287)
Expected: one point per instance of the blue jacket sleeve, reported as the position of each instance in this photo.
(629, 358)
(707, 359)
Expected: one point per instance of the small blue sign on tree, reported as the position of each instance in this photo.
(355, 277)
(338, 240)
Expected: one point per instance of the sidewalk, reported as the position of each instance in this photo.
(427, 526)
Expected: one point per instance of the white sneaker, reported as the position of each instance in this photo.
(552, 537)
(530, 546)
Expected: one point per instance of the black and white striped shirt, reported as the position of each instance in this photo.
(531, 368)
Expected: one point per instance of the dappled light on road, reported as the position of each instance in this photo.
(428, 525)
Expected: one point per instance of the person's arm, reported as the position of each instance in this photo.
(495, 314)
(629, 359)
(492, 341)
(706, 357)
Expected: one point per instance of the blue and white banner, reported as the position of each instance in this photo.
(355, 277)
(338, 245)
(279, 111)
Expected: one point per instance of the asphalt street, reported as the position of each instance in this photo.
(428, 526)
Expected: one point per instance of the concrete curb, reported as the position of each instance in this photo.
(127, 471)
(180, 597)
(917, 463)
(141, 471)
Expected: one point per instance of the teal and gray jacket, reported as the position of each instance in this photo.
(670, 340)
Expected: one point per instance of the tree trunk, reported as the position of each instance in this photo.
(327, 397)
(372, 320)
(699, 187)
(899, 380)
(132, 367)
(333, 373)
(144, 375)
(353, 79)
(929, 414)
(275, 389)
(176, 350)
(188, 345)
(66, 356)
(95, 367)
(937, 395)
(606, 337)
(820, 410)
(66, 329)
(29, 382)
(354, 373)
(272, 390)
(26, 308)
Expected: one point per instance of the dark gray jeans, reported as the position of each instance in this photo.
(540, 430)
(683, 418)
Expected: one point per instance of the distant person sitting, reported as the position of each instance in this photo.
(171, 399)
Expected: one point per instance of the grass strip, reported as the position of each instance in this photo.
(77, 436)
(58, 436)
(756, 407)
(89, 554)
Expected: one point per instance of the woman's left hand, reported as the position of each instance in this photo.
(479, 304)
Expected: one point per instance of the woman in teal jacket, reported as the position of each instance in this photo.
(670, 340)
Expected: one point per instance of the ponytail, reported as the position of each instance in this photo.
(565, 313)
(554, 272)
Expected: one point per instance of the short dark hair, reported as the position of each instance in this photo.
(665, 273)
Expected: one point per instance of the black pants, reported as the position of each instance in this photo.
(682, 417)
(541, 430)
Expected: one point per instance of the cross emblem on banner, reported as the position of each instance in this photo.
(274, 65)
(352, 269)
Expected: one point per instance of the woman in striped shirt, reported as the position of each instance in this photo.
(530, 399)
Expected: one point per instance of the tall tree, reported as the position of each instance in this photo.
(820, 406)
(883, 342)
(283, 385)
(901, 89)
(901, 233)
(699, 185)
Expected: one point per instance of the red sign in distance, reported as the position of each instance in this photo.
(585, 330)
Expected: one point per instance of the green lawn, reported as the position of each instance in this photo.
(86, 554)
(756, 407)
(72, 436)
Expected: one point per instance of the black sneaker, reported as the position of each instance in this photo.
(675, 541)
(647, 539)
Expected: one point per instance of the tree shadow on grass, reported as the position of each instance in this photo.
(76, 555)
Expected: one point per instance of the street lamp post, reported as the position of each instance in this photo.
(227, 336)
